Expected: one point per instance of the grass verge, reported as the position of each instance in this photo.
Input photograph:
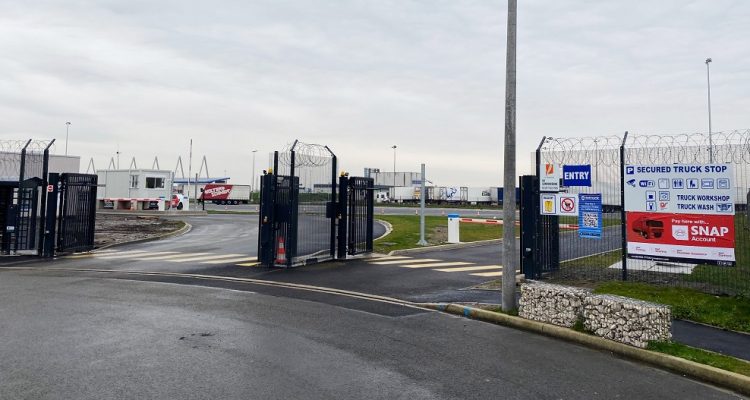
(728, 312)
(405, 233)
(702, 356)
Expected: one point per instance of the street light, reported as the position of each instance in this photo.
(252, 182)
(394, 166)
(67, 126)
(710, 132)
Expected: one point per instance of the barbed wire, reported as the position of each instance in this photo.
(727, 147)
(15, 146)
(305, 155)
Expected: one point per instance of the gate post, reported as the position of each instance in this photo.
(623, 215)
(342, 214)
(266, 231)
(47, 240)
(529, 212)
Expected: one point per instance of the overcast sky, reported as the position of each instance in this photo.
(361, 76)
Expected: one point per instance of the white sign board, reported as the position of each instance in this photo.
(549, 178)
(559, 204)
(680, 189)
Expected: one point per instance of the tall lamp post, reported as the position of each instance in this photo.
(710, 132)
(67, 127)
(252, 182)
(394, 168)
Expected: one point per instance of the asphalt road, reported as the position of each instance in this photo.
(388, 210)
(73, 336)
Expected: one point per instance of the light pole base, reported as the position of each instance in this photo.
(422, 243)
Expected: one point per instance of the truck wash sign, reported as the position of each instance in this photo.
(681, 213)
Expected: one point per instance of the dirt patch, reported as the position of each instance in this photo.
(123, 228)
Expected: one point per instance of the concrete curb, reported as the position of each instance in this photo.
(442, 247)
(388, 228)
(730, 380)
(185, 229)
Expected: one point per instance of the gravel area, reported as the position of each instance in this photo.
(122, 228)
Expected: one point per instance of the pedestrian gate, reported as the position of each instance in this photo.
(540, 245)
(77, 215)
(306, 218)
(356, 210)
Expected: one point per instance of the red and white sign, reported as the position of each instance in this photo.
(217, 192)
(681, 237)
(50, 188)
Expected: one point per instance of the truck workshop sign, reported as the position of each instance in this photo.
(680, 212)
(549, 178)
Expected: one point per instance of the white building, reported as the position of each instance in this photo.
(134, 184)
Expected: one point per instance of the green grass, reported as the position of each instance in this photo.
(405, 233)
(722, 311)
(603, 260)
(574, 220)
(702, 356)
(730, 279)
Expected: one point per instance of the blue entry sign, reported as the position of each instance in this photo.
(590, 215)
(577, 175)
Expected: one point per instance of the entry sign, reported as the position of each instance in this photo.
(577, 175)
(549, 178)
(590, 215)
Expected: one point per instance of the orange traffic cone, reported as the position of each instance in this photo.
(281, 252)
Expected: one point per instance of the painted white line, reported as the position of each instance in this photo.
(133, 255)
(401, 262)
(491, 274)
(386, 258)
(170, 257)
(464, 269)
(438, 264)
(209, 257)
(231, 260)
(112, 253)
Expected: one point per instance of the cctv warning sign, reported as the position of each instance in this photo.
(696, 238)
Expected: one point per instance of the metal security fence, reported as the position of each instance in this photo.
(562, 254)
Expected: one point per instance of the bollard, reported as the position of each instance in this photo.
(453, 233)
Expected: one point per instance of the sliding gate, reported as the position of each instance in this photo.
(77, 214)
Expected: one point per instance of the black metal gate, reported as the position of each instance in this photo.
(27, 200)
(356, 202)
(540, 245)
(77, 214)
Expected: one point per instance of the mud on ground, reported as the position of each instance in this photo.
(123, 228)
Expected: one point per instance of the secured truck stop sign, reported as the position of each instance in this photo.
(681, 213)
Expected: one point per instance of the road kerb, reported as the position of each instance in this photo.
(185, 229)
(727, 379)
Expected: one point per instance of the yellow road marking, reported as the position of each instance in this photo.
(438, 264)
(250, 264)
(231, 260)
(464, 269)
(209, 257)
(403, 261)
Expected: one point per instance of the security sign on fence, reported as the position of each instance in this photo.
(559, 204)
(680, 213)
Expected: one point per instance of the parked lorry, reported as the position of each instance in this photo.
(218, 193)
